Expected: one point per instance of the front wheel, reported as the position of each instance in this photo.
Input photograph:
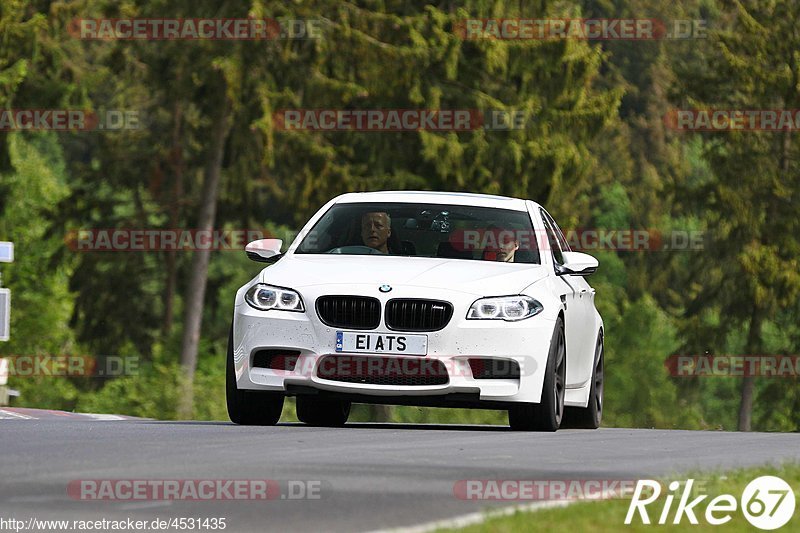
(247, 407)
(324, 412)
(546, 415)
(589, 417)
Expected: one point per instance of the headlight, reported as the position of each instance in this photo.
(266, 297)
(509, 308)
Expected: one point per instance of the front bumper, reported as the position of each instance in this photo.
(526, 341)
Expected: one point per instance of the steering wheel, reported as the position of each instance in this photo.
(354, 250)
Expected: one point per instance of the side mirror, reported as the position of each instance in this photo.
(578, 263)
(264, 250)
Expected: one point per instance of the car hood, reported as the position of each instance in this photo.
(482, 278)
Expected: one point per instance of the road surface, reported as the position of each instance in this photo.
(368, 476)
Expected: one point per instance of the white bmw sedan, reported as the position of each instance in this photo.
(419, 298)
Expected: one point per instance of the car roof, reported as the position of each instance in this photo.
(431, 197)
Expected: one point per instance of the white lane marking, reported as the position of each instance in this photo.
(95, 416)
(480, 517)
(34, 499)
(60, 498)
(11, 415)
(144, 505)
(8, 415)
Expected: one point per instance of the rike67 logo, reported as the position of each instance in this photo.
(767, 503)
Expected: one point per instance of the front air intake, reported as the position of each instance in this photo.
(493, 368)
(276, 359)
(388, 371)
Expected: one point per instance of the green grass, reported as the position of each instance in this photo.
(400, 414)
(609, 515)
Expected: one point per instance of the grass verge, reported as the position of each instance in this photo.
(609, 515)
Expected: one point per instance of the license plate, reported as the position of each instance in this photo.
(348, 341)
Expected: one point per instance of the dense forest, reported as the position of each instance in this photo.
(599, 148)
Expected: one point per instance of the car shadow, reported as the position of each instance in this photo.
(190, 422)
(423, 427)
(350, 425)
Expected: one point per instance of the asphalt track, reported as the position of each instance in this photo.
(371, 476)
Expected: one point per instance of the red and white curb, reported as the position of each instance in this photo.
(22, 413)
(12, 415)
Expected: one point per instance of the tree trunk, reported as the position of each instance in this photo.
(746, 404)
(380, 413)
(754, 333)
(176, 164)
(196, 289)
(753, 347)
(169, 294)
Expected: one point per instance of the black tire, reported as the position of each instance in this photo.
(322, 412)
(246, 407)
(589, 417)
(547, 414)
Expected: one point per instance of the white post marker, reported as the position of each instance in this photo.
(3, 382)
(6, 252)
(6, 256)
(5, 314)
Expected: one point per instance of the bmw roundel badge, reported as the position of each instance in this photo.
(385, 288)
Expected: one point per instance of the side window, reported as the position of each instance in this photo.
(552, 240)
(559, 234)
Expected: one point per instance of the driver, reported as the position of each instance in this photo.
(376, 227)
(504, 248)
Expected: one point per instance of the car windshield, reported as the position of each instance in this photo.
(424, 230)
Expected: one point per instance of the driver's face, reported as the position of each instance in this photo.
(507, 247)
(375, 230)
(507, 250)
